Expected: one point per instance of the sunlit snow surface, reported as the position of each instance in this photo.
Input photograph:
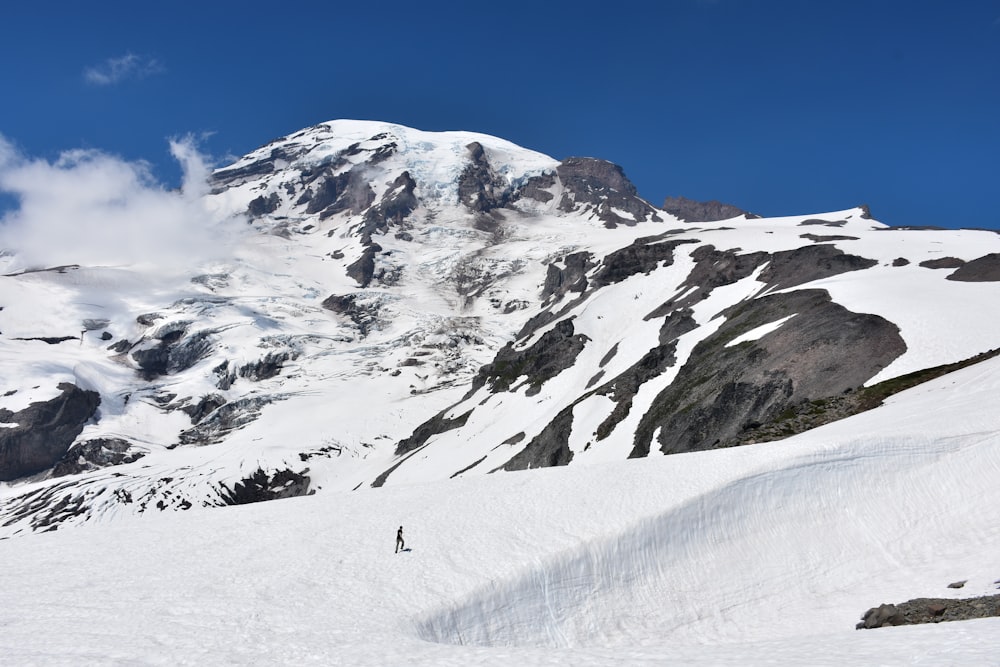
(762, 554)
(765, 554)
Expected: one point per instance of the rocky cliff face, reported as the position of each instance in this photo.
(690, 210)
(36, 438)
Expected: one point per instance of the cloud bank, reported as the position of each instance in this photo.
(116, 70)
(91, 208)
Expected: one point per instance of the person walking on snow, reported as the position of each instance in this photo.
(399, 539)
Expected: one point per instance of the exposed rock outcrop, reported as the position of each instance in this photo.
(601, 187)
(572, 278)
(552, 353)
(942, 263)
(690, 210)
(548, 448)
(480, 188)
(213, 428)
(439, 423)
(397, 202)
(205, 406)
(828, 238)
(174, 349)
(822, 222)
(791, 268)
(335, 193)
(233, 176)
(363, 269)
(267, 367)
(623, 388)
(262, 486)
(359, 310)
(980, 270)
(930, 610)
(724, 387)
(713, 268)
(538, 188)
(642, 256)
(816, 412)
(263, 205)
(95, 454)
(44, 431)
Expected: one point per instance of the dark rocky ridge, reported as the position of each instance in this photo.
(44, 431)
(261, 487)
(942, 263)
(437, 424)
(720, 390)
(480, 188)
(553, 352)
(264, 205)
(601, 187)
(213, 426)
(820, 222)
(548, 448)
(397, 202)
(791, 268)
(537, 188)
(175, 349)
(690, 210)
(713, 268)
(642, 256)
(362, 314)
(981, 269)
(50, 340)
(95, 454)
(623, 388)
(827, 238)
(930, 610)
(332, 193)
(232, 176)
(205, 406)
(785, 269)
(813, 413)
(573, 278)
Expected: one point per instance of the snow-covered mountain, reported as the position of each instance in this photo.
(397, 306)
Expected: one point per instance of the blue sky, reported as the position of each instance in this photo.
(778, 107)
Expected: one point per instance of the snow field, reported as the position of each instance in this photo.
(765, 553)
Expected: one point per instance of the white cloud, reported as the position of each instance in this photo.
(116, 70)
(91, 208)
(193, 165)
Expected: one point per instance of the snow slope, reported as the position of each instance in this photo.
(766, 554)
(941, 321)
